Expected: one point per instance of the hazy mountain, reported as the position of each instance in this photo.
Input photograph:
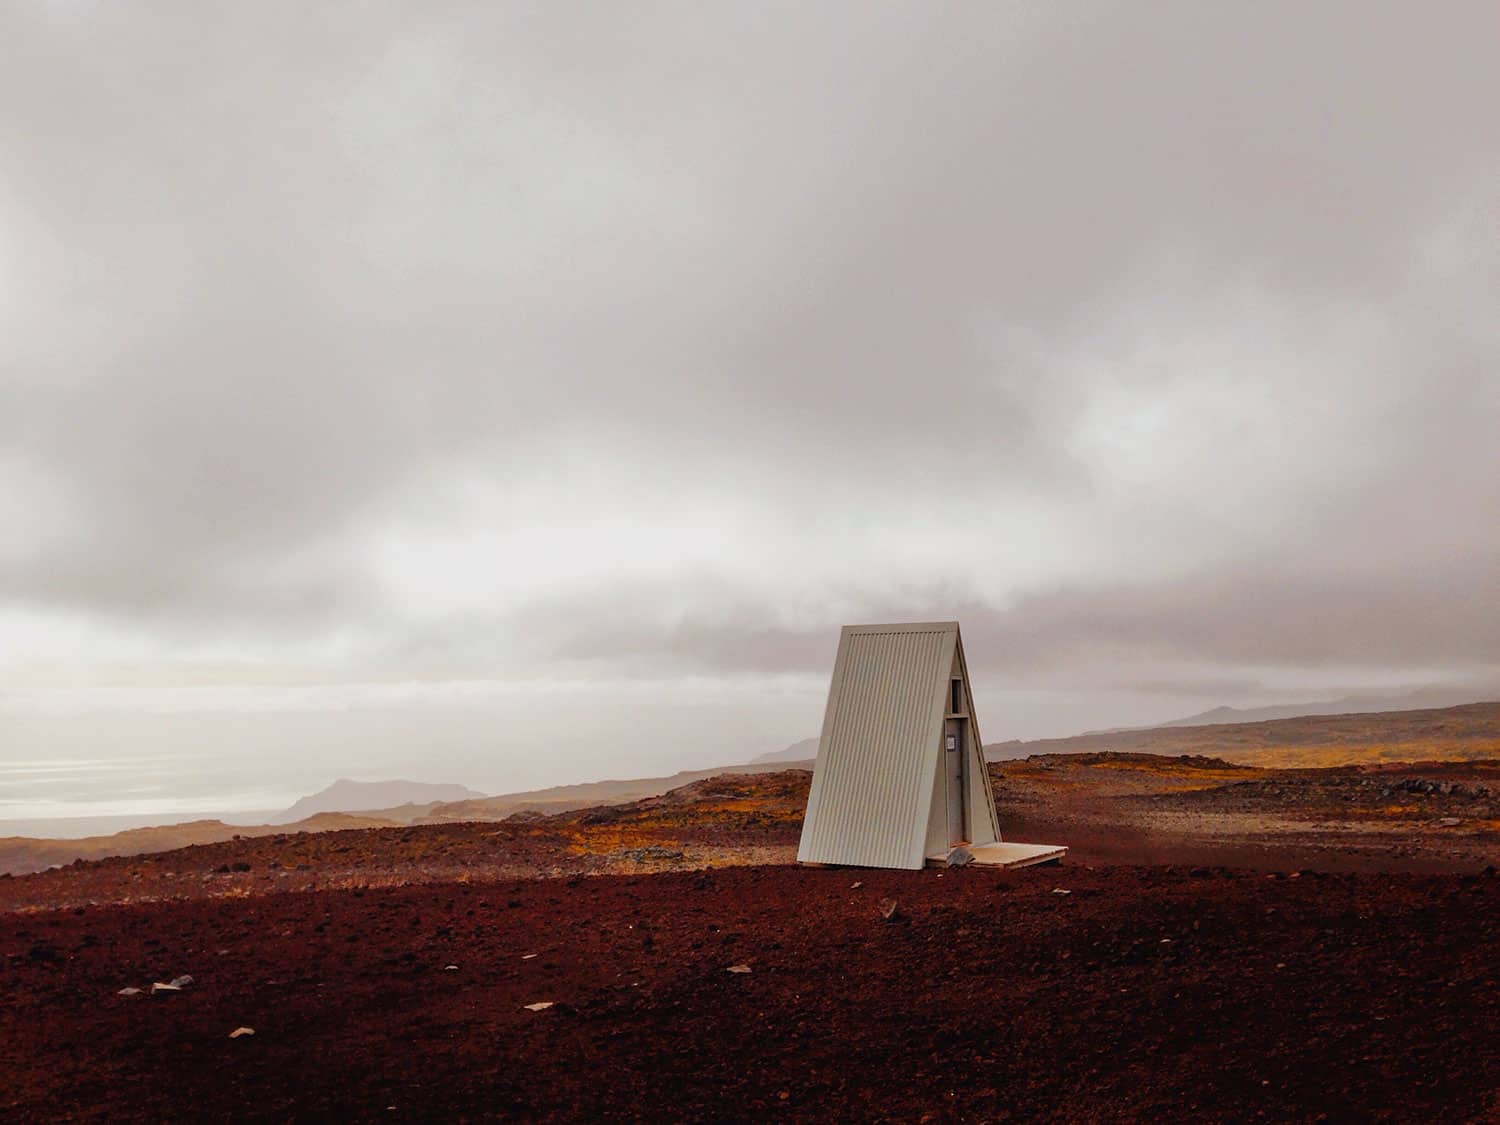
(1451, 733)
(564, 798)
(804, 751)
(1011, 750)
(357, 796)
(1420, 700)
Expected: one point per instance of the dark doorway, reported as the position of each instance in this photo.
(956, 771)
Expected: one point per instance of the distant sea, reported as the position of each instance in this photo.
(100, 763)
(67, 796)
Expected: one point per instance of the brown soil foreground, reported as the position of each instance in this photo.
(1220, 985)
(1163, 992)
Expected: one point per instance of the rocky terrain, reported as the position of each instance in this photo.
(1223, 942)
(1465, 733)
(1107, 808)
(727, 819)
(22, 855)
(1133, 808)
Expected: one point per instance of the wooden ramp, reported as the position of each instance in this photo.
(1006, 855)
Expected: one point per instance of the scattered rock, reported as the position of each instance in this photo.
(241, 1032)
(539, 1006)
(1449, 822)
(960, 857)
(450, 968)
(527, 956)
(855, 886)
(128, 992)
(1061, 891)
(176, 984)
(649, 852)
(606, 814)
(738, 969)
(889, 910)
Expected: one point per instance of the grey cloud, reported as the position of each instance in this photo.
(278, 268)
(1431, 620)
(1112, 636)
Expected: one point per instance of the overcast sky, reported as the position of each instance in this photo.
(560, 377)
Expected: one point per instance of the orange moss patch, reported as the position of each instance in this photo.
(1323, 757)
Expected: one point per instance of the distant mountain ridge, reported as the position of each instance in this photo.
(565, 798)
(804, 751)
(345, 796)
(21, 855)
(1462, 733)
(1423, 699)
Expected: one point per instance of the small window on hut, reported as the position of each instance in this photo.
(956, 701)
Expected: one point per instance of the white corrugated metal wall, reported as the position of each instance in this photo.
(877, 758)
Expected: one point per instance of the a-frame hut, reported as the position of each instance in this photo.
(900, 778)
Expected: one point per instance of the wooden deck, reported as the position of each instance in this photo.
(1006, 855)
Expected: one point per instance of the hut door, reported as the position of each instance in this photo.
(955, 763)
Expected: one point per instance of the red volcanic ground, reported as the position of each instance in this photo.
(1143, 992)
